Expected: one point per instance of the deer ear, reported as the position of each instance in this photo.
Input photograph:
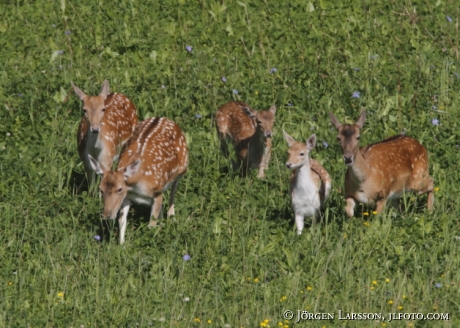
(97, 167)
(361, 119)
(105, 89)
(131, 169)
(335, 121)
(78, 92)
(250, 112)
(290, 140)
(311, 142)
(273, 109)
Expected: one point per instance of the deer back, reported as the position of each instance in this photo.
(161, 147)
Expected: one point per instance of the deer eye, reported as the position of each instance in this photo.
(84, 110)
(302, 153)
(103, 109)
(357, 138)
(119, 190)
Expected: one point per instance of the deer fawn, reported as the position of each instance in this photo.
(310, 182)
(250, 132)
(383, 170)
(151, 161)
(109, 121)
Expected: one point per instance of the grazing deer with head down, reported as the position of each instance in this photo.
(109, 121)
(310, 182)
(153, 160)
(383, 170)
(250, 132)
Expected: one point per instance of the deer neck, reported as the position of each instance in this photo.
(360, 168)
(303, 174)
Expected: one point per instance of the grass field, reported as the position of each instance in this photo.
(245, 264)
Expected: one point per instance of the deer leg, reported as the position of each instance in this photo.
(224, 147)
(123, 220)
(430, 195)
(156, 209)
(265, 158)
(299, 222)
(172, 195)
(380, 206)
(350, 207)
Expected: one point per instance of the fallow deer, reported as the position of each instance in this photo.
(310, 182)
(384, 170)
(250, 132)
(109, 121)
(151, 161)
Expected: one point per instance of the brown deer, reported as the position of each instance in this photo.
(151, 161)
(310, 182)
(108, 122)
(383, 170)
(250, 131)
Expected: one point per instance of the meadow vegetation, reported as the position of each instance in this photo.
(230, 257)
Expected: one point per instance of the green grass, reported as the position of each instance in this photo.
(247, 264)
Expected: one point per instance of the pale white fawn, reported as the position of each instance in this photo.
(250, 131)
(310, 182)
(381, 171)
(108, 122)
(153, 160)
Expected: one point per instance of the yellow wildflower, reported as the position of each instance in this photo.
(309, 288)
(390, 302)
(280, 324)
(283, 298)
(209, 321)
(375, 212)
(366, 213)
(374, 282)
(436, 189)
(256, 280)
(257, 92)
(400, 307)
(366, 224)
(387, 280)
(10, 283)
(372, 288)
(60, 294)
(197, 320)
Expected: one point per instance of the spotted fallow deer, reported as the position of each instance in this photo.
(384, 170)
(151, 161)
(108, 122)
(250, 132)
(310, 182)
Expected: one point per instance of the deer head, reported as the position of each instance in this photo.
(113, 185)
(264, 118)
(348, 137)
(298, 152)
(93, 106)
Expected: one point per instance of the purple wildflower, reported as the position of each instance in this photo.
(325, 144)
(434, 107)
(67, 32)
(435, 121)
(189, 48)
(224, 79)
(438, 285)
(356, 69)
(235, 91)
(356, 94)
(97, 237)
(20, 94)
(60, 52)
(289, 104)
(373, 57)
(449, 19)
(273, 70)
(197, 115)
(186, 257)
